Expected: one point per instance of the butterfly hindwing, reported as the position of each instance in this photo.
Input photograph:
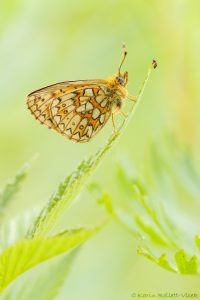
(79, 114)
(75, 109)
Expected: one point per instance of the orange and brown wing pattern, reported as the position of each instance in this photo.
(39, 102)
(81, 113)
(77, 110)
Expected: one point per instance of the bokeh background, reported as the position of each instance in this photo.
(44, 42)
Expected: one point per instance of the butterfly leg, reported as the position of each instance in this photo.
(123, 114)
(132, 98)
(113, 121)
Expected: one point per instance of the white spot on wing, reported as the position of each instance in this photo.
(84, 99)
(61, 126)
(88, 131)
(102, 118)
(41, 118)
(101, 92)
(96, 113)
(81, 108)
(37, 113)
(76, 136)
(100, 98)
(33, 108)
(88, 92)
(68, 96)
(89, 106)
(57, 119)
(68, 132)
(103, 103)
(55, 102)
(54, 110)
(48, 123)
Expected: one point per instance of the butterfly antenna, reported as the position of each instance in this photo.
(124, 53)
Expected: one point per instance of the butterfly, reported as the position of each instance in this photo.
(79, 109)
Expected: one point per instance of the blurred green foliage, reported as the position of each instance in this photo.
(42, 42)
(166, 233)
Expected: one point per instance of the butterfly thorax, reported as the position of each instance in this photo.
(116, 93)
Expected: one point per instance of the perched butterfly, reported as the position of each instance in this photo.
(80, 109)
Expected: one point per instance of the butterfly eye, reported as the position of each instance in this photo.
(120, 79)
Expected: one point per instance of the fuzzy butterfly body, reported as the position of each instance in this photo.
(79, 109)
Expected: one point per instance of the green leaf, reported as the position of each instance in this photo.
(164, 263)
(43, 282)
(160, 261)
(101, 198)
(10, 190)
(147, 254)
(16, 228)
(26, 254)
(185, 265)
(150, 231)
(197, 241)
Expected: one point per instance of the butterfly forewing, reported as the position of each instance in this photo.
(78, 110)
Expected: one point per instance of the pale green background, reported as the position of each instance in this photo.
(43, 42)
